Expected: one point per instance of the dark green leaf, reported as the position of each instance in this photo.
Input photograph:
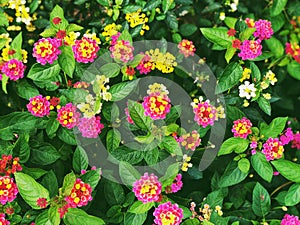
(232, 175)
(230, 77)
(80, 160)
(293, 69)
(25, 90)
(265, 105)
(261, 204)
(262, 166)
(66, 60)
(277, 7)
(128, 173)
(114, 193)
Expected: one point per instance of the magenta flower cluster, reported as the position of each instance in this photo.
(14, 69)
(290, 220)
(176, 185)
(168, 213)
(90, 127)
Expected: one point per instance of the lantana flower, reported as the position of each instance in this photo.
(68, 116)
(147, 188)
(46, 50)
(273, 149)
(247, 90)
(242, 128)
(39, 106)
(250, 49)
(168, 213)
(85, 50)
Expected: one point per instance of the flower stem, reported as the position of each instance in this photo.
(280, 187)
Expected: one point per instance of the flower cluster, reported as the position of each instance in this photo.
(101, 87)
(273, 149)
(168, 214)
(242, 128)
(186, 47)
(122, 50)
(296, 141)
(68, 116)
(46, 50)
(263, 30)
(85, 50)
(145, 65)
(14, 69)
(90, 127)
(176, 185)
(138, 18)
(287, 136)
(111, 30)
(81, 194)
(205, 113)
(186, 163)
(247, 90)
(157, 104)
(165, 62)
(8, 189)
(290, 220)
(88, 107)
(250, 49)
(246, 74)
(39, 106)
(190, 141)
(3, 221)
(42, 203)
(70, 38)
(9, 165)
(205, 212)
(22, 12)
(147, 188)
(293, 50)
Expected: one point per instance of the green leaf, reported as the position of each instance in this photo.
(19, 122)
(171, 145)
(191, 222)
(58, 12)
(293, 69)
(166, 4)
(275, 128)
(49, 181)
(80, 217)
(236, 144)
(110, 70)
(265, 105)
(170, 175)
(244, 165)
(92, 177)
(137, 114)
(22, 149)
(113, 139)
(3, 20)
(53, 215)
(255, 72)
(218, 36)
(262, 166)
(288, 169)
(66, 136)
(246, 34)
(151, 156)
(277, 7)
(16, 45)
(49, 32)
(43, 153)
(51, 127)
(261, 204)
(172, 21)
(230, 77)
(275, 46)
(187, 29)
(277, 22)
(66, 60)
(68, 184)
(40, 72)
(128, 173)
(293, 196)
(173, 115)
(152, 4)
(122, 90)
(42, 219)
(131, 218)
(114, 193)
(230, 21)
(73, 27)
(229, 53)
(26, 90)
(35, 173)
(126, 154)
(80, 160)
(139, 207)
(4, 83)
(30, 190)
(232, 175)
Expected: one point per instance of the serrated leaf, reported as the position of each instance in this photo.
(288, 169)
(264, 105)
(80, 160)
(261, 204)
(114, 193)
(232, 175)
(80, 217)
(30, 190)
(128, 173)
(122, 90)
(238, 145)
(218, 36)
(140, 207)
(230, 77)
(40, 72)
(262, 166)
(66, 60)
(274, 128)
(137, 114)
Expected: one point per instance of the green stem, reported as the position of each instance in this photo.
(280, 187)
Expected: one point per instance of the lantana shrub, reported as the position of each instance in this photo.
(160, 112)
